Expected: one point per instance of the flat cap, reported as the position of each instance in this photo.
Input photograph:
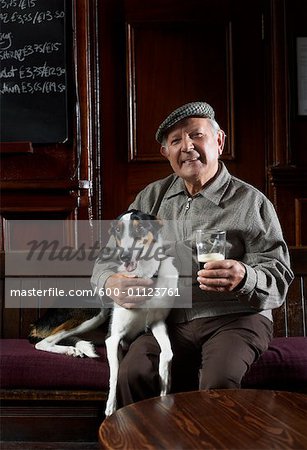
(194, 109)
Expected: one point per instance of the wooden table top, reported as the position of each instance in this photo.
(215, 419)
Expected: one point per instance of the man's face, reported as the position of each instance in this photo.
(193, 148)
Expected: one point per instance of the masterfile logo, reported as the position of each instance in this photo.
(50, 263)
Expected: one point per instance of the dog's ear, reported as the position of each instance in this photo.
(115, 226)
(112, 228)
(157, 224)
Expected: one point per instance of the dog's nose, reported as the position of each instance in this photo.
(126, 257)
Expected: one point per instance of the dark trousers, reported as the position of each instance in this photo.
(209, 353)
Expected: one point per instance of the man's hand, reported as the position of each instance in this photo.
(127, 291)
(221, 276)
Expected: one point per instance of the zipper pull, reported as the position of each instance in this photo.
(187, 206)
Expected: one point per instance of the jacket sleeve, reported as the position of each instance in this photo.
(267, 262)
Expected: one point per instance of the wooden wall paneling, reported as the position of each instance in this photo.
(291, 318)
(295, 307)
(277, 83)
(287, 185)
(29, 203)
(20, 233)
(17, 234)
(280, 321)
(172, 55)
(95, 123)
(16, 147)
(285, 140)
(113, 107)
(64, 169)
(296, 26)
(2, 258)
(16, 321)
(27, 317)
(87, 104)
(11, 320)
(46, 424)
(55, 180)
(297, 297)
(146, 66)
(300, 221)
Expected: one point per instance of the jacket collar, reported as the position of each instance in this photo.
(213, 192)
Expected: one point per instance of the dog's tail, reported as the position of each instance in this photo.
(36, 335)
(38, 332)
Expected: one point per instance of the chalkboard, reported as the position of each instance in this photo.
(33, 71)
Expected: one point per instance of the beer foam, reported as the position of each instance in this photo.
(206, 257)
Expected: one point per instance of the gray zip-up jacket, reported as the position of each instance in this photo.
(254, 237)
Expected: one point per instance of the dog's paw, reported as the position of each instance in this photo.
(110, 408)
(86, 349)
(73, 351)
(165, 384)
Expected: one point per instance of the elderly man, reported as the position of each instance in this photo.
(230, 322)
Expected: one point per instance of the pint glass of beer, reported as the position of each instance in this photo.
(210, 246)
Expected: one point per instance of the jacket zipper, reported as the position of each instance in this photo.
(188, 205)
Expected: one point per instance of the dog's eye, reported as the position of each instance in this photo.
(117, 230)
(140, 230)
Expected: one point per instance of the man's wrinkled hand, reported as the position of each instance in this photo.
(221, 276)
(126, 291)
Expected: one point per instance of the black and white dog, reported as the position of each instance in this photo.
(140, 245)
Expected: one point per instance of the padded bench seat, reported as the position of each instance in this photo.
(283, 366)
(24, 367)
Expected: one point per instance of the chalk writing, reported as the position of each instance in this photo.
(47, 87)
(33, 66)
(36, 18)
(21, 4)
(20, 54)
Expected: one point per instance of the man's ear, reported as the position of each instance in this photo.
(221, 140)
(164, 151)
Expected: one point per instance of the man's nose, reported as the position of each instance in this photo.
(187, 143)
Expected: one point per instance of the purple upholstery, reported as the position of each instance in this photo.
(283, 366)
(24, 367)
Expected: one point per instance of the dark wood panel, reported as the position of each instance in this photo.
(138, 177)
(60, 422)
(53, 395)
(212, 62)
(286, 184)
(71, 165)
(57, 162)
(277, 84)
(16, 147)
(291, 318)
(175, 47)
(55, 181)
(14, 445)
(162, 10)
(296, 19)
(300, 221)
(38, 205)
